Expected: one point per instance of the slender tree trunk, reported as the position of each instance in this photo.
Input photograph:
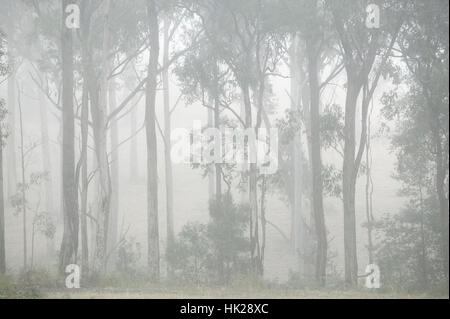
(167, 144)
(114, 213)
(2, 212)
(150, 129)
(369, 197)
(134, 164)
(218, 167)
(423, 257)
(69, 245)
(309, 236)
(11, 147)
(47, 167)
(252, 179)
(23, 188)
(316, 162)
(349, 180)
(11, 141)
(87, 81)
(84, 179)
(297, 231)
(98, 112)
(211, 180)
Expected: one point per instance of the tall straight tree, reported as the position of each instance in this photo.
(69, 245)
(167, 130)
(11, 146)
(313, 54)
(360, 47)
(3, 70)
(114, 166)
(47, 168)
(98, 108)
(2, 202)
(150, 130)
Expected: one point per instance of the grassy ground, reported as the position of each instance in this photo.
(201, 293)
(45, 284)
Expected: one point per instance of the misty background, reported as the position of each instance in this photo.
(210, 55)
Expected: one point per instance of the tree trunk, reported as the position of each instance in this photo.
(348, 183)
(69, 245)
(167, 144)
(11, 140)
(2, 211)
(47, 167)
(211, 181)
(423, 255)
(297, 231)
(23, 188)
(369, 190)
(98, 111)
(134, 160)
(316, 163)
(114, 213)
(87, 81)
(84, 179)
(150, 129)
(252, 195)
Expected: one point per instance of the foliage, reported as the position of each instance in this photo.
(409, 257)
(201, 250)
(128, 255)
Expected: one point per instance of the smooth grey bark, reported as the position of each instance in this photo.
(134, 160)
(99, 119)
(11, 140)
(297, 231)
(348, 183)
(84, 128)
(47, 167)
(23, 189)
(69, 245)
(2, 211)
(313, 56)
(11, 146)
(316, 161)
(84, 180)
(167, 141)
(114, 211)
(369, 193)
(150, 129)
(211, 181)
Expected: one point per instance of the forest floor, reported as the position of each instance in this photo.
(228, 293)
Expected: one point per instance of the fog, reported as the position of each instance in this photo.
(360, 151)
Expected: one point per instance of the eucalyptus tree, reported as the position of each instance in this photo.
(69, 245)
(3, 72)
(249, 46)
(424, 50)
(365, 51)
(315, 64)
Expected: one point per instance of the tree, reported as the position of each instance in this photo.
(425, 52)
(360, 47)
(69, 245)
(150, 130)
(2, 202)
(3, 71)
